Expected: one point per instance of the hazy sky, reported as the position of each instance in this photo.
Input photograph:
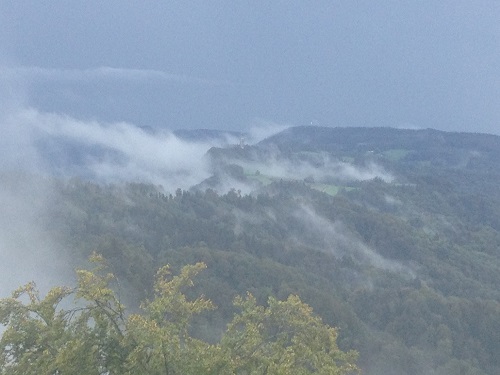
(214, 64)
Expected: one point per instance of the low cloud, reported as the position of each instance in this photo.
(37, 144)
(35, 73)
(321, 170)
(27, 251)
(263, 166)
(334, 237)
(314, 231)
(109, 152)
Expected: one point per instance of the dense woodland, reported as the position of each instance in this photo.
(407, 269)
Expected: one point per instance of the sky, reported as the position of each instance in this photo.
(228, 64)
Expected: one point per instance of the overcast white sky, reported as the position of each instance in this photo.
(223, 64)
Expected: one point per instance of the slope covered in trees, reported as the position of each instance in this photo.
(392, 237)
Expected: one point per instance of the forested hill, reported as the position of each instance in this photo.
(311, 138)
(400, 146)
(468, 161)
(393, 236)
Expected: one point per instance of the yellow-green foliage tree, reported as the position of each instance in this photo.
(96, 336)
(283, 338)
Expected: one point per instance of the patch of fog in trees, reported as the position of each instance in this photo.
(37, 145)
(306, 227)
(325, 169)
(335, 238)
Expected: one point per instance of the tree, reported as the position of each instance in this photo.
(161, 340)
(96, 336)
(42, 338)
(283, 338)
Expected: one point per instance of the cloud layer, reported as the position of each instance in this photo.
(110, 152)
(35, 73)
(36, 144)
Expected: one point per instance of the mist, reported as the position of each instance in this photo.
(28, 251)
(335, 238)
(266, 166)
(327, 169)
(106, 152)
(306, 227)
(37, 74)
(38, 147)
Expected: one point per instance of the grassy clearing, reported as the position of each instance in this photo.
(396, 154)
(263, 179)
(326, 188)
(330, 189)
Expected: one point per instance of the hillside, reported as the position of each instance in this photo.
(391, 235)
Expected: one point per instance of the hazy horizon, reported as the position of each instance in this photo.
(225, 65)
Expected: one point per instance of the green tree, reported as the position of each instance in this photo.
(160, 336)
(42, 338)
(283, 338)
(96, 336)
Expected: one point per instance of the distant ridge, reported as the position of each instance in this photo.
(334, 139)
(203, 135)
(404, 150)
